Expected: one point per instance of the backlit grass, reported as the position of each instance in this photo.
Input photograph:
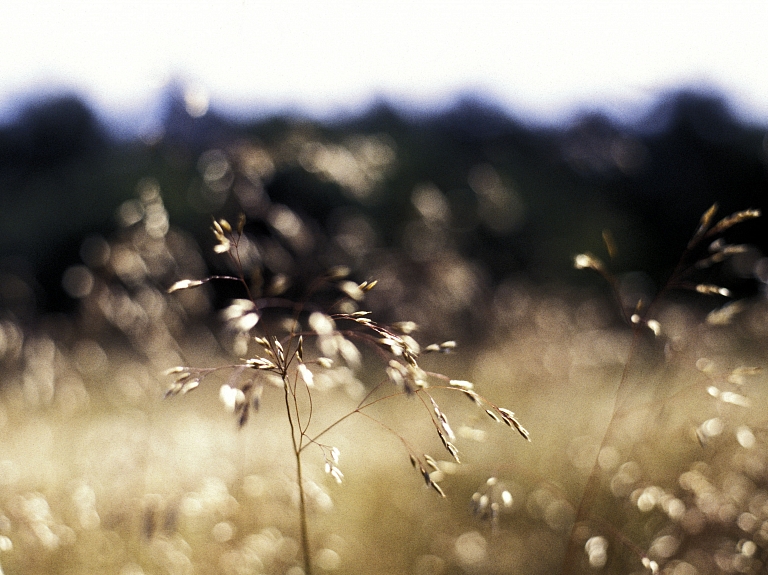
(106, 476)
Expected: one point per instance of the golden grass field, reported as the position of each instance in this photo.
(100, 474)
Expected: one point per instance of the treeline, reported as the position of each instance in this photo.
(512, 198)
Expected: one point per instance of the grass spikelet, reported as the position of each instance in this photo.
(306, 375)
(244, 414)
(704, 223)
(444, 347)
(279, 351)
(461, 384)
(334, 472)
(431, 462)
(732, 220)
(174, 370)
(231, 397)
(449, 447)
(426, 475)
(185, 284)
(710, 289)
(473, 397)
(610, 243)
(185, 382)
(721, 253)
(443, 420)
(437, 488)
(492, 414)
(261, 363)
(220, 230)
(588, 261)
(338, 273)
(510, 419)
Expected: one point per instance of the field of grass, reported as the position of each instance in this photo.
(648, 450)
(100, 474)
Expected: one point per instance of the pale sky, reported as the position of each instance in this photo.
(538, 58)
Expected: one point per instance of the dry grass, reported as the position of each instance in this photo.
(122, 484)
(649, 448)
(270, 333)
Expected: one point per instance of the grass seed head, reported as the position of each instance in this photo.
(710, 289)
(704, 223)
(439, 489)
(185, 284)
(610, 243)
(449, 447)
(734, 219)
(261, 363)
(334, 472)
(220, 229)
(492, 414)
(510, 419)
(461, 384)
(185, 382)
(242, 392)
(588, 261)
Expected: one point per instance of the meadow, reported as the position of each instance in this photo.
(648, 447)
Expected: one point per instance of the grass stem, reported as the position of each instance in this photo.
(297, 448)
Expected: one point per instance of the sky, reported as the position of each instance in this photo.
(540, 59)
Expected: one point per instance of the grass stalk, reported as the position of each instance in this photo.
(696, 258)
(592, 487)
(284, 356)
(297, 445)
(303, 523)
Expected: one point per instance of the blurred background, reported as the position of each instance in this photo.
(520, 131)
(461, 156)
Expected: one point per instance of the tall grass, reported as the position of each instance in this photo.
(706, 250)
(649, 437)
(281, 359)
